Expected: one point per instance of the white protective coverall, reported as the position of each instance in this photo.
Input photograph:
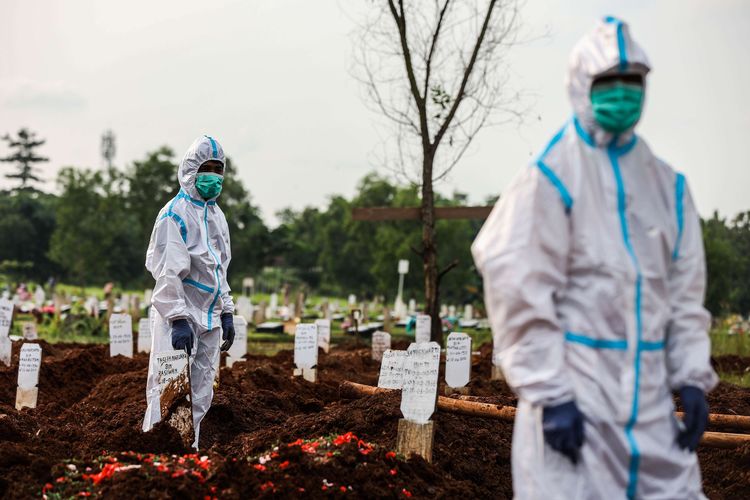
(188, 255)
(594, 278)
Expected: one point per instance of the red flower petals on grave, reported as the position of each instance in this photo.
(345, 438)
(284, 464)
(267, 485)
(406, 493)
(391, 455)
(393, 472)
(259, 467)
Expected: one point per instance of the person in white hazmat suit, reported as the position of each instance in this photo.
(594, 277)
(188, 256)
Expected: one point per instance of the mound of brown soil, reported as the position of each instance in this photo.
(91, 405)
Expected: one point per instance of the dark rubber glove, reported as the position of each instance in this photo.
(182, 335)
(563, 429)
(227, 331)
(695, 418)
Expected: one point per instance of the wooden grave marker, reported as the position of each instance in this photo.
(239, 346)
(392, 369)
(381, 342)
(324, 334)
(120, 335)
(457, 363)
(422, 329)
(418, 399)
(29, 362)
(144, 335)
(29, 330)
(306, 351)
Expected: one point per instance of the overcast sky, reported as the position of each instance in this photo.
(270, 79)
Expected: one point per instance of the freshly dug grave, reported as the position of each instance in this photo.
(91, 407)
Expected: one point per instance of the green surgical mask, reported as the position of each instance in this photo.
(617, 106)
(208, 184)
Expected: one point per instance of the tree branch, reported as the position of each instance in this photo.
(400, 20)
(447, 268)
(435, 35)
(464, 81)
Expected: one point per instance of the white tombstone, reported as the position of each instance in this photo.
(392, 369)
(419, 393)
(352, 299)
(273, 305)
(92, 306)
(6, 350)
(120, 335)
(6, 317)
(423, 328)
(306, 350)
(39, 296)
(29, 362)
(452, 311)
(125, 302)
(324, 334)
(239, 346)
(243, 307)
(412, 306)
(144, 335)
(458, 360)
(29, 331)
(171, 364)
(147, 296)
(381, 342)
(443, 311)
(468, 312)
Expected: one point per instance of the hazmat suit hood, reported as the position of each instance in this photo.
(607, 49)
(204, 148)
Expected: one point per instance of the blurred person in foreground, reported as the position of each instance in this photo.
(594, 277)
(188, 256)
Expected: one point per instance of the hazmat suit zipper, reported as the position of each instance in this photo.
(216, 269)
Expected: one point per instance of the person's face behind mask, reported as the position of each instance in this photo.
(617, 101)
(209, 179)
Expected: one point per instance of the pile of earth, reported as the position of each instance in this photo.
(91, 408)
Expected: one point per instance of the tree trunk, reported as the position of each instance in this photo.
(429, 250)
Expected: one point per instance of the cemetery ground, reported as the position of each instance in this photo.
(268, 434)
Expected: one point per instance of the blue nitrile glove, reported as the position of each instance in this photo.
(227, 331)
(695, 417)
(563, 429)
(182, 335)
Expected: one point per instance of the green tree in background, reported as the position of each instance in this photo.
(152, 182)
(27, 222)
(96, 235)
(24, 157)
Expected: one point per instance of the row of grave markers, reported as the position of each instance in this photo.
(29, 359)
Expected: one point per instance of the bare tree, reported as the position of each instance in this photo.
(437, 71)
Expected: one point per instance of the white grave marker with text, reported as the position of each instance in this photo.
(458, 360)
(306, 346)
(29, 331)
(381, 342)
(6, 316)
(121, 335)
(171, 364)
(424, 324)
(144, 335)
(419, 393)
(29, 362)
(324, 334)
(392, 369)
(239, 346)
